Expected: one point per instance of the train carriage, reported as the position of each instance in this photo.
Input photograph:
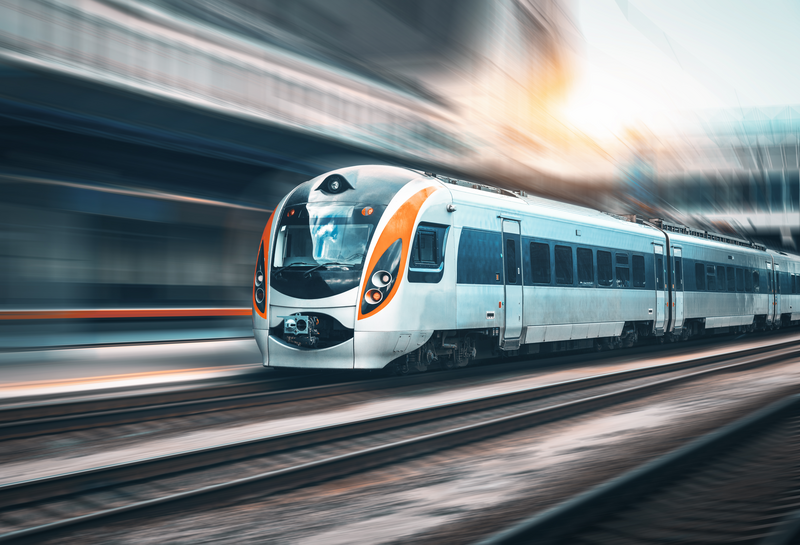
(371, 266)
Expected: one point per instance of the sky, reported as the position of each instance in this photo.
(643, 60)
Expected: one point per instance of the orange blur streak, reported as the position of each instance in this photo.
(399, 226)
(266, 236)
(120, 313)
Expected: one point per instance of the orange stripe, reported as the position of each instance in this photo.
(400, 226)
(120, 313)
(265, 239)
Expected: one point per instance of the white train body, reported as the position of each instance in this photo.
(369, 266)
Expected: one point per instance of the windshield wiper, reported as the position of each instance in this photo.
(333, 263)
(290, 265)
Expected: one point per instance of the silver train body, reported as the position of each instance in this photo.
(369, 266)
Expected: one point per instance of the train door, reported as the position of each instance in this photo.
(512, 277)
(661, 296)
(677, 286)
(771, 296)
(777, 283)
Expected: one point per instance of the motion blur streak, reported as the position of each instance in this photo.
(120, 313)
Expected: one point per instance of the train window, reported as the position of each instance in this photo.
(511, 261)
(748, 281)
(605, 274)
(678, 274)
(424, 252)
(700, 276)
(426, 260)
(540, 262)
(638, 271)
(769, 279)
(711, 279)
(480, 257)
(623, 271)
(739, 279)
(756, 282)
(659, 272)
(731, 273)
(721, 280)
(585, 267)
(794, 283)
(564, 265)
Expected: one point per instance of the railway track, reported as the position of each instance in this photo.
(297, 458)
(739, 484)
(57, 416)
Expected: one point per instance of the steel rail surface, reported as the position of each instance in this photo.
(336, 466)
(48, 418)
(593, 505)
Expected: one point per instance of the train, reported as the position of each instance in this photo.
(381, 267)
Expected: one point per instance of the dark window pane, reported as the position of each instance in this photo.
(564, 265)
(638, 271)
(678, 274)
(622, 259)
(769, 280)
(739, 280)
(480, 258)
(700, 276)
(748, 281)
(604, 272)
(721, 282)
(712, 278)
(540, 262)
(425, 248)
(585, 267)
(659, 272)
(623, 277)
(511, 262)
(756, 282)
(731, 279)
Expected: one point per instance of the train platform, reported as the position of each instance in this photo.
(74, 371)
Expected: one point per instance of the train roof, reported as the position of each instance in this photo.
(556, 210)
(562, 210)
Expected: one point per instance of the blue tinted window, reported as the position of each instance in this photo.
(480, 258)
(540, 262)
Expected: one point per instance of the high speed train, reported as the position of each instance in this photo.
(373, 266)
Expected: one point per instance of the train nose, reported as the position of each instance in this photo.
(312, 339)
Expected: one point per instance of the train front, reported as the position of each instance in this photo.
(330, 261)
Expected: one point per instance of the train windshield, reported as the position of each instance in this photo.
(323, 235)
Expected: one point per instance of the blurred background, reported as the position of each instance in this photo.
(143, 143)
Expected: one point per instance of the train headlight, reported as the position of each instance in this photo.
(373, 297)
(259, 296)
(334, 184)
(382, 278)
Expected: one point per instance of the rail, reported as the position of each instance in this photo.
(320, 453)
